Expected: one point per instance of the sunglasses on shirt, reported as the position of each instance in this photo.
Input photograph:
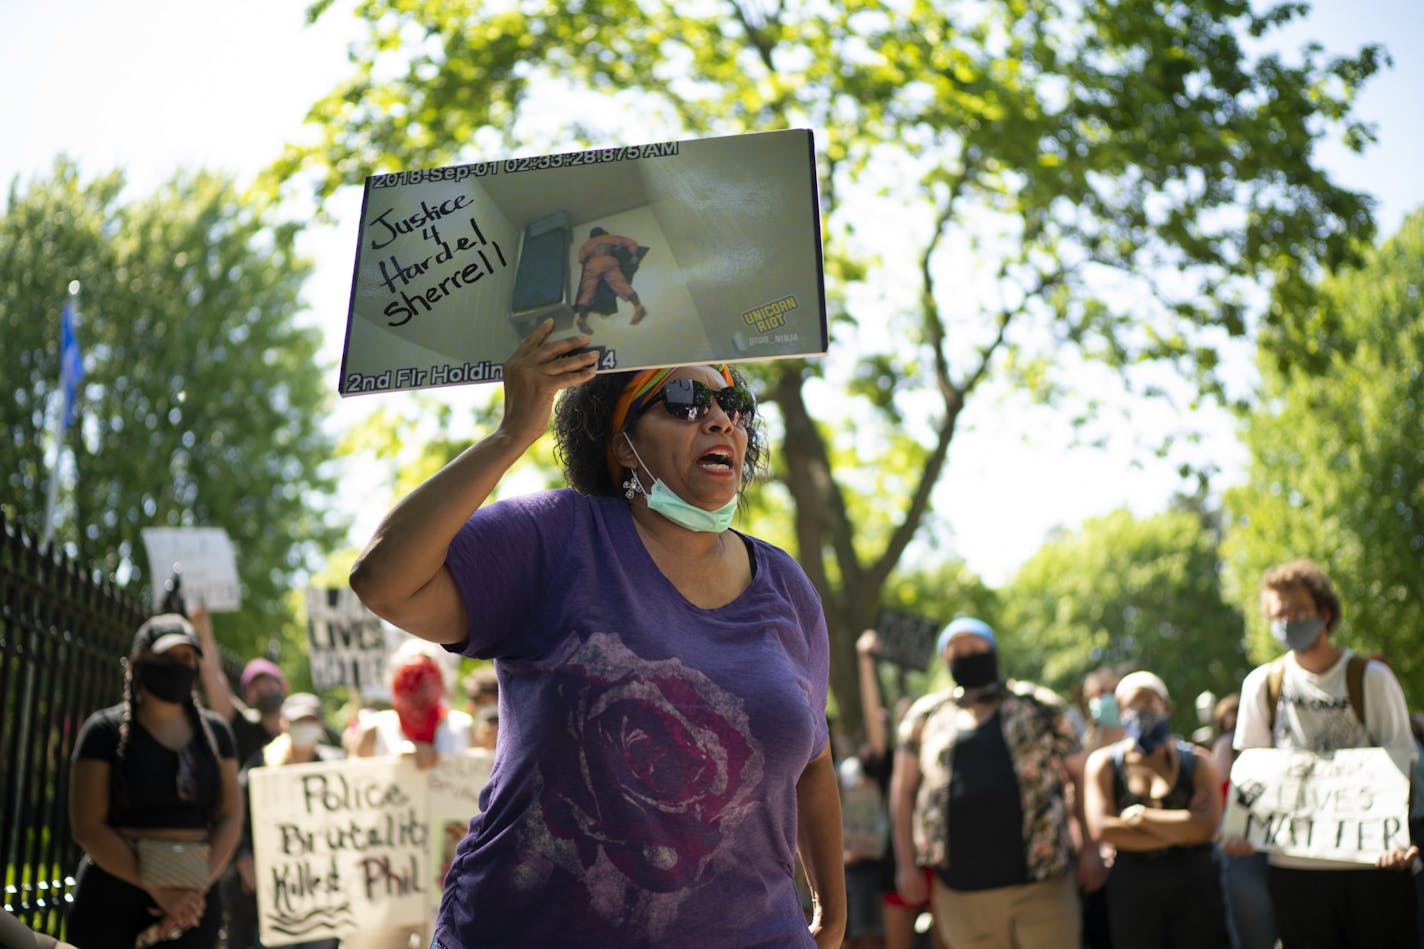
(690, 400)
(187, 784)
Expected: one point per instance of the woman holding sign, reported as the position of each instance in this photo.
(155, 803)
(663, 754)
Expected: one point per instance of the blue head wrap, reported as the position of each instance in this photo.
(961, 625)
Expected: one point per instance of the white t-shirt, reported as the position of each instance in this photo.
(1313, 713)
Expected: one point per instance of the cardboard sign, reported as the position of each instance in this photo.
(203, 557)
(668, 254)
(1349, 805)
(906, 639)
(341, 846)
(347, 642)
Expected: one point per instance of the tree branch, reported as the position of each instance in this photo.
(820, 508)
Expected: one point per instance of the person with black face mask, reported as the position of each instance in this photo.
(155, 803)
(254, 713)
(254, 709)
(980, 795)
(1151, 796)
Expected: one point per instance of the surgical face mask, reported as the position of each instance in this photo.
(1148, 727)
(666, 502)
(304, 734)
(1297, 634)
(1104, 710)
(171, 682)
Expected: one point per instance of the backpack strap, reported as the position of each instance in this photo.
(1274, 675)
(1186, 764)
(1355, 684)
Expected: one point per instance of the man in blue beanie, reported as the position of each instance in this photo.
(980, 795)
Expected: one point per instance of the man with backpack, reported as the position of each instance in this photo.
(1321, 697)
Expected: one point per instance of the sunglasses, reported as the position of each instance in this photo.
(187, 785)
(690, 400)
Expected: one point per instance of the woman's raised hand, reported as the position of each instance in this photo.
(535, 373)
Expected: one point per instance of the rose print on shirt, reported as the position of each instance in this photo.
(656, 769)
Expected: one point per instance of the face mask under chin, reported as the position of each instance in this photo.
(663, 500)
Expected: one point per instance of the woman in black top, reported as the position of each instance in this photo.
(156, 766)
(1158, 801)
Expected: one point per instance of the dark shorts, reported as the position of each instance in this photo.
(863, 899)
(108, 913)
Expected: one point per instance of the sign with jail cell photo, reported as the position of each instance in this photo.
(665, 254)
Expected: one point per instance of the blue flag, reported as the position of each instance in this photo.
(71, 363)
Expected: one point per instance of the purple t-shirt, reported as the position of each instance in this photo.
(644, 785)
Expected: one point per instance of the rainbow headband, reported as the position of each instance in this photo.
(639, 391)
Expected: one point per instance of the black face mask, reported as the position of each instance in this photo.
(270, 700)
(976, 670)
(171, 682)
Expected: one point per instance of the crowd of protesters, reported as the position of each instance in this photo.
(990, 813)
(156, 769)
(1017, 819)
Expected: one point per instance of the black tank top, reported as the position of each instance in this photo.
(1179, 798)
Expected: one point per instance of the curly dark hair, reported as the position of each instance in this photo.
(583, 425)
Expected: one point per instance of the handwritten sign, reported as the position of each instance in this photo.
(346, 845)
(669, 253)
(1349, 805)
(203, 557)
(347, 642)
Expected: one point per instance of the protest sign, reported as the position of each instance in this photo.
(346, 845)
(668, 254)
(906, 639)
(202, 556)
(347, 642)
(1348, 805)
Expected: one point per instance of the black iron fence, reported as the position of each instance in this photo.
(63, 635)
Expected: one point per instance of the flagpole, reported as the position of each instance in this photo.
(71, 371)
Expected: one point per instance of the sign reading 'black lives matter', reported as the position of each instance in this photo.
(1350, 805)
(674, 253)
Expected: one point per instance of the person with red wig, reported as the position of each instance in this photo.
(420, 720)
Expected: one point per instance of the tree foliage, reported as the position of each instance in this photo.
(1337, 455)
(1123, 590)
(202, 398)
(1069, 183)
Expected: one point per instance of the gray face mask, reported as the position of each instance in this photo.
(1297, 634)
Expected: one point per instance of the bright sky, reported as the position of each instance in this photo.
(152, 86)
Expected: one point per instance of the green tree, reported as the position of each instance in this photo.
(1337, 455)
(1119, 590)
(202, 398)
(1069, 184)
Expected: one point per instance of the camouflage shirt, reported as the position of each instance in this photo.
(1039, 738)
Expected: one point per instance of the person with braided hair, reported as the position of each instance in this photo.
(154, 801)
